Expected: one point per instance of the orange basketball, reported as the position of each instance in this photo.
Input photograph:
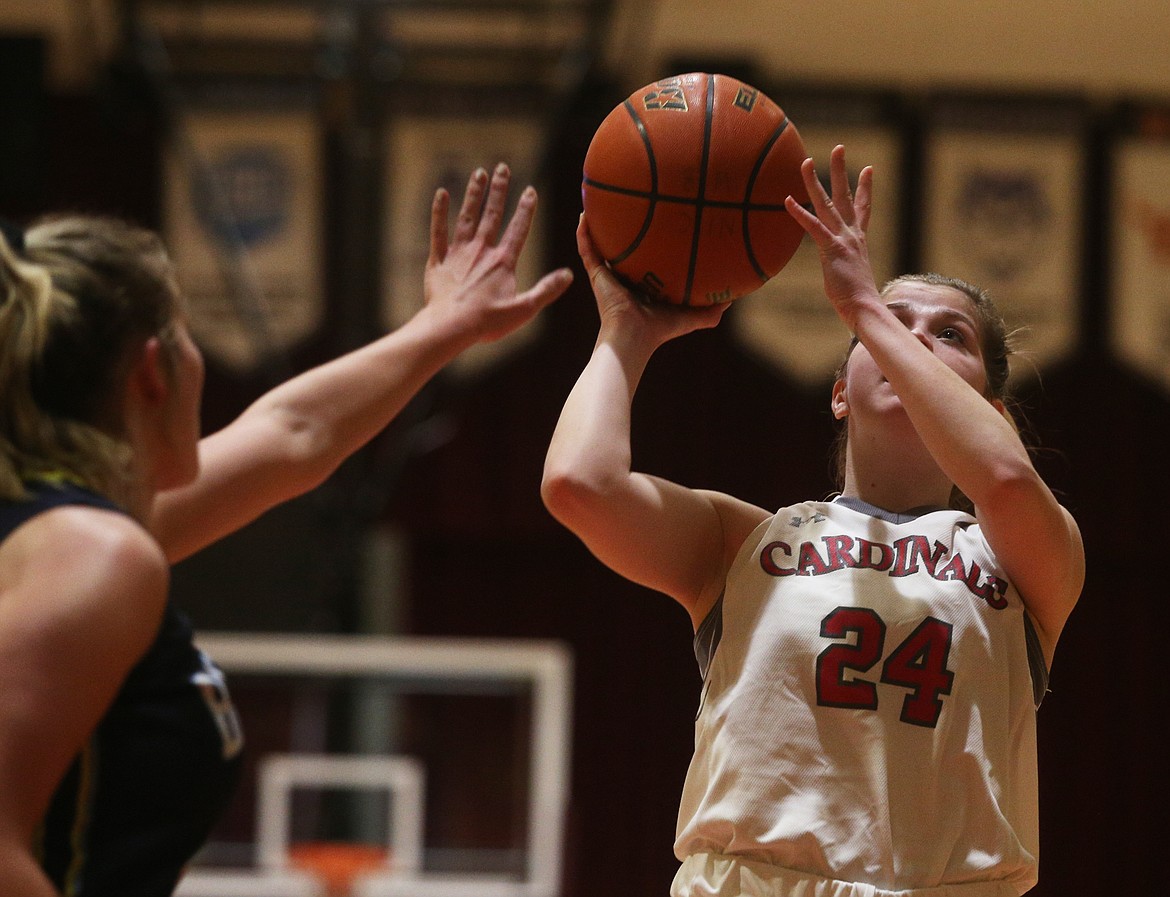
(684, 189)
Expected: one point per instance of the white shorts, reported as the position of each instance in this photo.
(714, 875)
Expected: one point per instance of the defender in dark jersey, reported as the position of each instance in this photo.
(145, 790)
(118, 741)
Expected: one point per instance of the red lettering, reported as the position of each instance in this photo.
(837, 548)
(865, 558)
(904, 558)
(912, 549)
(810, 563)
(768, 561)
(954, 570)
(993, 590)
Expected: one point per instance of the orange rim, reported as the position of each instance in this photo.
(337, 863)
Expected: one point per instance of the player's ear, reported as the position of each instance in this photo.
(839, 403)
(148, 374)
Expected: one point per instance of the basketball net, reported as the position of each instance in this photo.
(337, 863)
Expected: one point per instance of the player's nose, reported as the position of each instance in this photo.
(922, 334)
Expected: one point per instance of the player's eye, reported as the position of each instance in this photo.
(953, 334)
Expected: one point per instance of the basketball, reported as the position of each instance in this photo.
(684, 187)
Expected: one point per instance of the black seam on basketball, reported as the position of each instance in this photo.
(625, 254)
(687, 200)
(702, 189)
(747, 236)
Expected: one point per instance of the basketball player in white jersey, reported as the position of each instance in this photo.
(872, 664)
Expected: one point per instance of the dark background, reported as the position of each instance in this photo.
(487, 560)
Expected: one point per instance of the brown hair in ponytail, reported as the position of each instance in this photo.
(74, 305)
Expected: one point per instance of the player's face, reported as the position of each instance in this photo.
(944, 320)
(183, 418)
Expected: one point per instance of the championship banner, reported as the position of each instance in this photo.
(243, 221)
(1140, 251)
(1004, 209)
(425, 152)
(788, 321)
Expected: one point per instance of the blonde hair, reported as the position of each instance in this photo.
(83, 295)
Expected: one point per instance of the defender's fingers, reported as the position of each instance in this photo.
(493, 209)
(440, 208)
(468, 219)
(516, 233)
(548, 288)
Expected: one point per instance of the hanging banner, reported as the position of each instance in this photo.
(1004, 209)
(1140, 251)
(425, 152)
(788, 321)
(243, 222)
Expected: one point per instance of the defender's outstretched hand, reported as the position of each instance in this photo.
(471, 277)
(839, 230)
(294, 436)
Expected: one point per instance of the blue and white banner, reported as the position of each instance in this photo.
(789, 321)
(425, 152)
(1005, 210)
(243, 222)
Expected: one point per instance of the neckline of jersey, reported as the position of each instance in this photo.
(864, 507)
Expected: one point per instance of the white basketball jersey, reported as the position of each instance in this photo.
(868, 713)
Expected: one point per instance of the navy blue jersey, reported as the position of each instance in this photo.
(143, 794)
